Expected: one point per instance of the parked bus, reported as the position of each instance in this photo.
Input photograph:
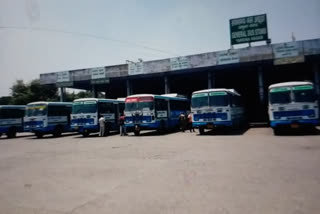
(154, 112)
(86, 112)
(217, 108)
(48, 118)
(11, 119)
(293, 104)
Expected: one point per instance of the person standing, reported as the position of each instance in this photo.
(123, 130)
(102, 126)
(190, 122)
(182, 121)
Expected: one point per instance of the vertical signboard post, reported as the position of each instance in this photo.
(248, 29)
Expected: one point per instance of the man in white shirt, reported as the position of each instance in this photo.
(102, 126)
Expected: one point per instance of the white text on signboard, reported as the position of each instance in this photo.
(98, 73)
(135, 68)
(63, 76)
(228, 57)
(289, 49)
(179, 63)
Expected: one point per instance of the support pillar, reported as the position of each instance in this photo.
(316, 78)
(62, 97)
(129, 88)
(211, 79)
(261, 85)
(94, 91)
(166, 85)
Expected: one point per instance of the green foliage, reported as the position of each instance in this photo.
(25, 93)
(6, 100)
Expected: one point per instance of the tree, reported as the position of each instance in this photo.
(25, 93)
(5, 100)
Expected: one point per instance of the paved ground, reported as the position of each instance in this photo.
(251, 172)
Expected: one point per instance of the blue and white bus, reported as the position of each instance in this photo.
(48, 118)
(86, 112)
(11, 119)
(217, 108)
(293, 104)
(154, 112)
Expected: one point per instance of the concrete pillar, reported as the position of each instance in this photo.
(94, 91)
(61, 94)
(211, 78)
(129, 88)
(316, 75)
(166, 85)
(261, 84)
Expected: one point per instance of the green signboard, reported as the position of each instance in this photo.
(303, 87)
(218, 93)
(248, 29)
(200, 95)
(279, 89)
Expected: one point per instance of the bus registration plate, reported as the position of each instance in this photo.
(294, 125)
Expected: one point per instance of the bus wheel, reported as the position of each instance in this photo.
(57, 131)
(0, 134)
(162, 128)
(12, 132)
(107, 131)
(137, 132)
(85, 133)
(201, 130)
(276, 131)
(39, 134)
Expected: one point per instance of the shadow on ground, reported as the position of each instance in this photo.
(241, 131)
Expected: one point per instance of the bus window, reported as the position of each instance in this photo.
(106, 107)
(145, 105)
(280, 97)
(304, 94)
(218, 98)
(200, 100)
(36, 110)
(10, 113)
(161, 105)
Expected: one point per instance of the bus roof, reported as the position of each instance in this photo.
(50, 103)
(232, 91)
(12, 106)
(99, 100)
(165, 96)
(284, 84)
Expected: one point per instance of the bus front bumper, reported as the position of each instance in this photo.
(212, 125)
(293, 123)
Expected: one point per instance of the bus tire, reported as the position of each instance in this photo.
(162, 128)
(85, 133)
(39, 134)
(12, 132)
(136, 132)
(0, 134)
(276, 131)
(201, 130)
(57, 131)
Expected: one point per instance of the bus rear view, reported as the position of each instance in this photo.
(293, 105)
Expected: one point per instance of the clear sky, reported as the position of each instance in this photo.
(180, 27)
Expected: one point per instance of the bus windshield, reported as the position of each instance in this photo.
(84, 107)
(199, 100)
(280, 97)
(36, 110)
(218, 99)
(304, 94)
(134, 106)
